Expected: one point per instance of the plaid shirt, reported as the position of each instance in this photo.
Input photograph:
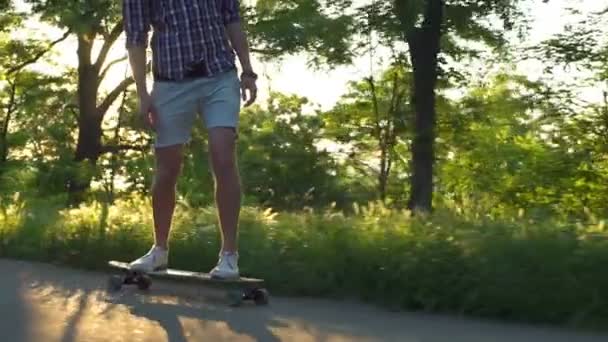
(184, 32)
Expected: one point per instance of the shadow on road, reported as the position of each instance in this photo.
(15, 318)
(41, 302)
(55, 288)
(68, 300)
(251, 322)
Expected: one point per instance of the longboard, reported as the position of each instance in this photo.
(240, 289)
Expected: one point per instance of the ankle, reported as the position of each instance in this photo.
(227, 252)
(162, 247)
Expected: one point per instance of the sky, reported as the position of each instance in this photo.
(324, 87)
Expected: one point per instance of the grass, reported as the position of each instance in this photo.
(540, 271)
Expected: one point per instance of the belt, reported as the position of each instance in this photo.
(193, 73)
(196, 70)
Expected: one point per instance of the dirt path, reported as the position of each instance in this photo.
(40, 302)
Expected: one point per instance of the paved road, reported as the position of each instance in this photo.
(40, 302)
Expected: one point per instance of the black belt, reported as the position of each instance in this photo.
(195, 70)
(190, 74)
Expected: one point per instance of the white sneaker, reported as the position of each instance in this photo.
(227, 267)
(155, 260)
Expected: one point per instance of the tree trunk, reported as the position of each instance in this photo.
(4, 134)
(424, 49)
(383, 176)
(91, 112)
(380, 134)
(88, 147)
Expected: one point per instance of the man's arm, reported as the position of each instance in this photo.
(239, 43)
(136, 19)
(236, 34)
(238, 40)
(137, 59)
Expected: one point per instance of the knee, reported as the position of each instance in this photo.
(222, 141)
(223, 164)
(167, 175)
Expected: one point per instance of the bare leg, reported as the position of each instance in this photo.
(168, 167)
(222, 146)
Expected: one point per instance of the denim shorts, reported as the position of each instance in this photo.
(216, 99)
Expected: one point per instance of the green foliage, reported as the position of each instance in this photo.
(495, 149)
(78, 16)
(6, 4)
(8, 20)
(39, 131)
(584, 45)
(463, 23)
(517, 269)
(279, 28)
(370, 122)
(355, 119)
(280, 163)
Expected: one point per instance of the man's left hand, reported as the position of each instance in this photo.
(248, 84)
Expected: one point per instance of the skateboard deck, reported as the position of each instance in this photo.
(241, 289)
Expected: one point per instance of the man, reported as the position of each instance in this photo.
(193, 45)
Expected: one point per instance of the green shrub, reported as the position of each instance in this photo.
(517, 269)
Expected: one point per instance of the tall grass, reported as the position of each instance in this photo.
(517, 269)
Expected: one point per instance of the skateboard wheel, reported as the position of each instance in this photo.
(115, 283)
(131, 278)
(144, 282)
(261, 296)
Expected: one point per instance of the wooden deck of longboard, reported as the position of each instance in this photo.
(175, 274)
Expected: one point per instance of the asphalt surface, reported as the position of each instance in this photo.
(42, 302)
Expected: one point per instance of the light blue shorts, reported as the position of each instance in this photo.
(217, 99)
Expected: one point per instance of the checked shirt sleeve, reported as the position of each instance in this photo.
(136, 19)
(230, 11)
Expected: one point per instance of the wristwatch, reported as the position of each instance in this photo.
(249, 74)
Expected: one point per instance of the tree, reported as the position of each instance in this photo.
(280, 161)
(432, 30)
(16, 57)
(509, 146)
(584, 45)
(496, 155)
(286, 27)
(90, 23)
(581, 130)
(369, 120)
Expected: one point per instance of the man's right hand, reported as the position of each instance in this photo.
(147, 112)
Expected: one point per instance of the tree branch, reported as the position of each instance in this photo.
(113, 95)
(364, 168)
(374, 95)
(268, 52)
(9, 111)
(107, 68)
(38, 55)
(107, 45)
